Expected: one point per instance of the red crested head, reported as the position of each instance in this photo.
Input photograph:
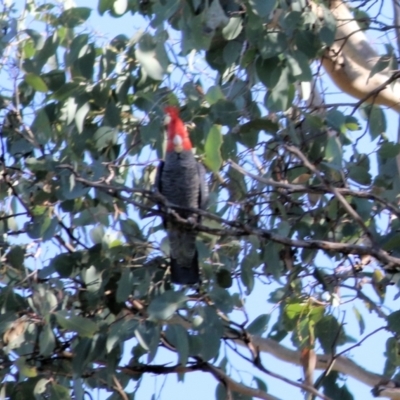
(177, 134)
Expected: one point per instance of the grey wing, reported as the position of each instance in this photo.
(157, 182)
(203, 192)
(158, 185)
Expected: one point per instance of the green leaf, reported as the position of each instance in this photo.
(214, 93)
(260, 384)
(178, 337)
(282, 95)
(248, 264)
(54, 79)
(47, 341)
(67, 90)
(299, 66)
(224, 278)
(26, 93)
(262, 8)
(37, 38)
(163, 11)
(335, 119)
(148, 336)
(352, 123)
(42, 227)
(294, 310)
(392, 351)
(77, 48)
(259, 325)
(220, 392)
(112, 115)
(269, 71)
(58, 392)
(120, 331)
(93, 278)
(41, 386)
(84, 66)
(74, 16)
(164, 306)
(231, 55)
(359, 174)
(151, 132)
(224, 112)
(393, 320)
(44, 300)
(147, 57)
(271, 258)
(376, 120)
(222, 299)
(25, 369)
(84, 327)
(16, 257)
(125, 285)
(213, 159)
(80, 116)
(332, 388)
(272, 44)
(48, 50)
(104, 5)
(64, 264)
(210, 332)
(333, 151)
(258, 125)
(329, 333)
(380, 65)
(328, 30)
(119, 43)
(362, 18)
(36, 82)
(105, 136)
(233, 29)
(97, 234)
(41, 127)
(389, 150)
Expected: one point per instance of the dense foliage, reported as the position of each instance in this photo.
(83, 250)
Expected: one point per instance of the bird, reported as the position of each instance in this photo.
(182, 182)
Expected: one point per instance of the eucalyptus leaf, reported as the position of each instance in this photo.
(75, 323)
(36, 82)
(164, 306)
(73, 17)
(213, 159)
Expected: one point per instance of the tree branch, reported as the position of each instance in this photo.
(237, 228)
(350, 59)
(342, 364)
(201, 366)
(350, 211)
(296, 188)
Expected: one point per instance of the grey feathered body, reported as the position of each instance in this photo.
(181, 179)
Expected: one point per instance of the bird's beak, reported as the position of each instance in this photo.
(177, 140)
(167, 119)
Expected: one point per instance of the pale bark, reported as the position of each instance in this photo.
(350, 59)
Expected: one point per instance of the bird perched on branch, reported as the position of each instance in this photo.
(181, 180)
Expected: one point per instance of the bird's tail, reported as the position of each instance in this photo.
(185, 274)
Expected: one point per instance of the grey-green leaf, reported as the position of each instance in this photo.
(164, 306)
